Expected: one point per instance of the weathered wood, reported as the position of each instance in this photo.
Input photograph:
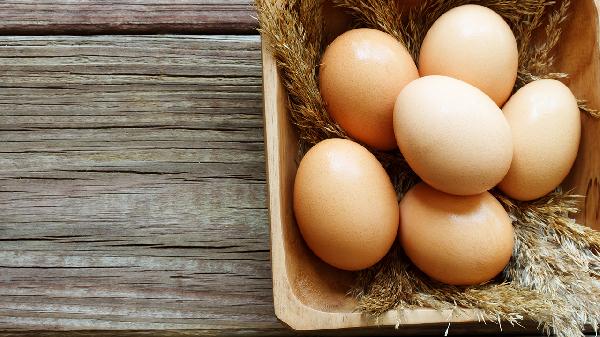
(126, 16)
(132, 184)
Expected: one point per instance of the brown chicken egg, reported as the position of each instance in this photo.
(546, 128)
(455, 239)
(473, 44)
(452, 135)
(345, 204)
(361, 73)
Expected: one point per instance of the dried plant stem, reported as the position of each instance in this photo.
(383, 15)
(553, 277)
(295, 30)
(590, 111)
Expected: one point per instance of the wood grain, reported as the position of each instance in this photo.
(126, 16)
(584, 80)
(132, 184)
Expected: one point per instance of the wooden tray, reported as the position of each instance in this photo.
(309, 294)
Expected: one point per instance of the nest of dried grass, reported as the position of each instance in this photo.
(553, 277)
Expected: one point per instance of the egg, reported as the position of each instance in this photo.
(361, 73)
(546, 129)
(345, 205)
(452, 135)
(473, 44)
(456, 240)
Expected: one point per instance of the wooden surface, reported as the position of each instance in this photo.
(132, 184)
(584, 80)
(132, 16)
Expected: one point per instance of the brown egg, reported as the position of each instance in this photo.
(361, 73)
(546, 128)
(455, 239)
(345, 204)
(473, 44)
(452, 135)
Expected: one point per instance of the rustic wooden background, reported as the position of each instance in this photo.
(132, 174)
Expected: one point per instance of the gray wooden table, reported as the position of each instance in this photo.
(132, 174)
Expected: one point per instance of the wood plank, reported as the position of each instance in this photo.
(46, 17)
(132, 184)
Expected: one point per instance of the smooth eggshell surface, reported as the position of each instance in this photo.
(473, 44)
(453, 239)
(361, 73)
(345, 204)
(452, 135)
(546, 129)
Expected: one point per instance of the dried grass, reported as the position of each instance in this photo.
(553, 277)
(295, 29)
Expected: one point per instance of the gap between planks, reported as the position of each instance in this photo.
(55, 17)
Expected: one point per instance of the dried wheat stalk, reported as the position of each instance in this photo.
(295, 29)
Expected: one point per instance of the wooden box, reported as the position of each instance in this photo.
(309, 294)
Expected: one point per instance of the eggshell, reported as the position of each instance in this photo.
(345, 204)
(361, 73)
(546, 129)
(452, 135)
(474, 44)
(455, 239)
